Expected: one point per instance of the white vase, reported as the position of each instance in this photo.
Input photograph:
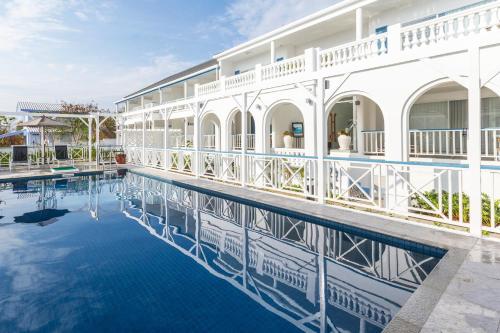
(344, 142)
(288, 141)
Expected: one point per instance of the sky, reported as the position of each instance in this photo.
(81, 51)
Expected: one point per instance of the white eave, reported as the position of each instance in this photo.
(326, 14)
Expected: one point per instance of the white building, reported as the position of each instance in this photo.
(413, 84)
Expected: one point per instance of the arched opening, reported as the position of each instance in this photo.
(210, 132)
(438, 123)
(180, 132)
(356, 124)
(235, 140)
(285, 129)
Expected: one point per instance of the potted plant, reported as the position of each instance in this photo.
(288, 139)
(120, 157)
(344, 140)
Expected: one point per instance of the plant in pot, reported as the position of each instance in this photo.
(344, 140)
(120, 157)
(288, 139)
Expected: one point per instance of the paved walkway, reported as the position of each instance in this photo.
(462, 294)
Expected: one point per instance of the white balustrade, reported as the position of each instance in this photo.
(374, 142)
(446, 142)
(220, 166)
(452, 26)
(240, 80)
(154, 158)
(491, 199)
(287, 174)
(359, 50)
(209, 141)
(180, 160)
(209, 88)
(284, 68)
(431, 192)
(134, 155)
(236, 141)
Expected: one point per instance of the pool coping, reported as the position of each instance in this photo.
(415, 313)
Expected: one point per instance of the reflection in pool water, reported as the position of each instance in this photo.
(137, 254)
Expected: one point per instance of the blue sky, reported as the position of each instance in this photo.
(100, 50)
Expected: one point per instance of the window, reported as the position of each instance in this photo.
(280, 59)
(237, 72)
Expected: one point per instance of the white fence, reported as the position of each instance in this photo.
(236, 141)
(284, 68)
(374, 142)
(359, 50)
(220, 166)
(209, 141)
(452, 26)
(181, 160)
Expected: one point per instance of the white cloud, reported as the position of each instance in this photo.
(82, 16)
(24, 21)
(80, 83)
(246, 19)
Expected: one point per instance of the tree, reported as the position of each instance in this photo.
(79, 130)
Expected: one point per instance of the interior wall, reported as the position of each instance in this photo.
(282, 118)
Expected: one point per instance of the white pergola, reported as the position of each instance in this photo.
(33, 109)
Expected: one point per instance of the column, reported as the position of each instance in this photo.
(273, 52)
(359, 23)
(89, 122)
(97, 138)
(244, 130)
(196, 141)
(166, 114)
(474, 142)
(321, 144)
(143, 138)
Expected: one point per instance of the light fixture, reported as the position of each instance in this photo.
(309, 101)
(258, 107)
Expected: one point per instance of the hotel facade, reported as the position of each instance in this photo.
(390, 107)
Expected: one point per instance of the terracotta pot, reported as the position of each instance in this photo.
(121, 158)
(344, 142)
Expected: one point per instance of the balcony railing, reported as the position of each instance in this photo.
(461, 24)
(240, 80)
(236, 141)
(209, 141)
(367, 48)
(374, 142)
(284, 68)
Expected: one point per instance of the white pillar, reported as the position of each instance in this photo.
(474, 142)
(244, 130)
(359, 23)
(89, 121)
(321, 142)
(143, 138)
(273, 52)
(196, 141)
(97, 138)
(360, 124)
(165, 139)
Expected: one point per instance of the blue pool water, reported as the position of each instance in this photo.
(126, 253)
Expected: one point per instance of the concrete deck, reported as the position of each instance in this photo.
(462, 293)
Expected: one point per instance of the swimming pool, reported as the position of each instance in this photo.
(130, 253)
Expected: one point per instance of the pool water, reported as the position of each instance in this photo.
(127, 253)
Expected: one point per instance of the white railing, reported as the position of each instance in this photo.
(461, 24)
(181, 141)
(240, 80)
(359, 50)
(290, 151)
(284, 174)
(446, 142)
(236, 141)
(209, 141)
(374, 142)
(134, 155)
(209, 88)
(429, 192)
(284, 68)
(490, 143)
(220, 166)
(491, 199)
(154, 158)
(181, 160)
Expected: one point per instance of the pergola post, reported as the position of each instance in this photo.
(89, 122)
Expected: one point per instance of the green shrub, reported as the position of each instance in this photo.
(433, 197)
